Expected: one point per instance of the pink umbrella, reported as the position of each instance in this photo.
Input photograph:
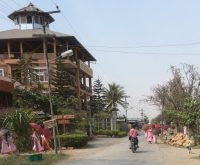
(145, 127)
(37, 127)
(47, 133)
(157, 126)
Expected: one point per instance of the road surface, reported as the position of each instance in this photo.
(115, 151)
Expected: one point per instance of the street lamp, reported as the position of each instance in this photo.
(67, 53)
(64, 54)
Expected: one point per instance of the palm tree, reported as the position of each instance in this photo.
(114, 96)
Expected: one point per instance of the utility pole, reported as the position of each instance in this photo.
(126, 104)
(44, 36)
(142, 115)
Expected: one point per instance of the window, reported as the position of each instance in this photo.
(36, 19)
(41, 20)
(1, 72)
(23, 19)
(29, 19)
(41, 74)
(17, 20)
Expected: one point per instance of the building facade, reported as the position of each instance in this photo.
(22, 42)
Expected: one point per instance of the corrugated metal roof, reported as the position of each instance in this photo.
(23, 34)
(14, 34)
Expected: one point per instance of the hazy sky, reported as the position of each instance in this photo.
(134, 41)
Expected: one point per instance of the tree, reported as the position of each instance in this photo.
(179, 98)
(146, 119)
(98, 100)
(38, 101)
(114, 96)
(25, 71)
(61, 79)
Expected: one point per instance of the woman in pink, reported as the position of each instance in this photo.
(133, 134)
(4, 145)
(37, 146)
(149, 135)
(11, 143)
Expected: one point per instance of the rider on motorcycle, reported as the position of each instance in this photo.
(133, 133)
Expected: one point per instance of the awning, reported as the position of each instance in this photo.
(6, 84)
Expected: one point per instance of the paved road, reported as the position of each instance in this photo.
(115, 152)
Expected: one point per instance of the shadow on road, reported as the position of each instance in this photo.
(142, 151)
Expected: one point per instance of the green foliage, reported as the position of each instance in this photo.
(48, 159)
(122, 134)
(62, 78)
(179, 97)
(19, 121)
(111, 133)
(73, 140)
(114, 96)
(38, 101)
(146, 119)
(98, 103)
(31, 99)
(25, 73)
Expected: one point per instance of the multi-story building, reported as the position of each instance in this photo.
(21, 41)
(6, 88)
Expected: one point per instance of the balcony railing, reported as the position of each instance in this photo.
(85, 68)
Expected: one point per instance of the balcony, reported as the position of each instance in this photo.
(11, 61)
(86, 69)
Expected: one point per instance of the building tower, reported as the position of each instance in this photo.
(30, 17)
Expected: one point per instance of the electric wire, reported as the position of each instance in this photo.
(68, 22)
(132, 52)
(148, 46)
(6, 5)
(17, 3)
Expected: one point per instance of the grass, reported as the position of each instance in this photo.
(48, 159)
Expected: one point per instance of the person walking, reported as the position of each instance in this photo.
(36, 141)
(11, 142)
(149, 135)
(4, 144)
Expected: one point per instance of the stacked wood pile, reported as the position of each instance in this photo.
(180, 140)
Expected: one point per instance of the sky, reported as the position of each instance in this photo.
(134, 41)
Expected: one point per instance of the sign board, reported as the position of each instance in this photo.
(63, 122)
(121, 119)
(50, 123)
(61, 117)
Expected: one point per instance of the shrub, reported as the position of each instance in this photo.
(18, 121)
(73, 140)
(122, 133)
(111, 133)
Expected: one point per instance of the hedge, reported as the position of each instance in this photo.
(111, 133)
(73, 140)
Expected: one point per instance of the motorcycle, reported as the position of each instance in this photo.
(134, 145)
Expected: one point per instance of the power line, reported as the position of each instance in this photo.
(147, 46)
(68, 22)
(4, 19)
(145, 53)
(7, 5)
(17, 3)
(133, 52)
